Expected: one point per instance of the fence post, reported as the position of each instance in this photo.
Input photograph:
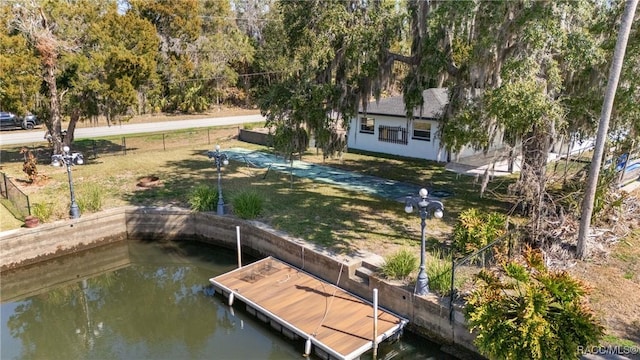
(6, 191)
(164, 146)
(95, 150)
(124, 145)
(453, 272)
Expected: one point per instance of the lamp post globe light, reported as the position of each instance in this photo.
(427, 208)
(220, 159)
(68, 158)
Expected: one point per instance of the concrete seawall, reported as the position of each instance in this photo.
(428, 315)
(30, 245)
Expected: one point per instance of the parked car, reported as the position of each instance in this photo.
(11, 121)
(7, 120)
(29, 121)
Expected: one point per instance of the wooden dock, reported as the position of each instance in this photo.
(340, 325)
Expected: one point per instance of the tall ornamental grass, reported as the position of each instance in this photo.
(203, 198)
(248, 204)
(399, 265)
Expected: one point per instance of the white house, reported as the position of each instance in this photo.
(385, 128)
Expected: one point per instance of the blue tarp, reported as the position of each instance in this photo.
(385, 188)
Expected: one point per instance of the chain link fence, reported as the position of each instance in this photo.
(94, 148)
(18, 203)
(132, 143)
(13, 198)
(465, 267)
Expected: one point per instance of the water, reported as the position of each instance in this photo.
(143, 300)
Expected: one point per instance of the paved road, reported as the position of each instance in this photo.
(37, 135)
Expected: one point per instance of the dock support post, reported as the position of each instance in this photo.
(239, 248)
(375, 323)
(307, 347)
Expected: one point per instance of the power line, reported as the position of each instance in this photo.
(231, 18)
(224, 78)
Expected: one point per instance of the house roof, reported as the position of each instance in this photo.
(435, 100)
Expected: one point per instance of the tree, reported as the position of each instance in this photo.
(31, 21)
(125, 47)
(21, 77)
(519, 72)
(529, 312)
(200, 50)
(95, 60)
(603, 127)
(452, 44)
(322, 62)
(252, 17)
(508, 66)
(111, 66)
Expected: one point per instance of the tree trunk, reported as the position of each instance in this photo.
(75, 116)
(50, 79)
(511, 159)
(603, 127)
(535, 150)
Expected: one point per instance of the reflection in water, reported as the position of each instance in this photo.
(156, 303)
(88, 331)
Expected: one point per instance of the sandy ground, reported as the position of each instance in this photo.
(615, 284)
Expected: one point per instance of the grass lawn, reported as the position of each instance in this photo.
(342, 220)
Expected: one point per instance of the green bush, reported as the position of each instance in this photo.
(607, 200)
(529, 312)
(90, 197)
(475, 229)
(247, 204)
(42, 211)
(398, 266)
(203, 198)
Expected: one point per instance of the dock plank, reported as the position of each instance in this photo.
(329, 315)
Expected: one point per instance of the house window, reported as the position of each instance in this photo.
(422, 130)
(367, 125)
(392, 134)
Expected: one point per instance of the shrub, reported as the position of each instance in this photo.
(203, 198)
(529, 312)
(399, 265)
(474, 230)
(607, 200)
(90, 197)
(439, 272)
(247, 204)
(30, 166)
(42, 211)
